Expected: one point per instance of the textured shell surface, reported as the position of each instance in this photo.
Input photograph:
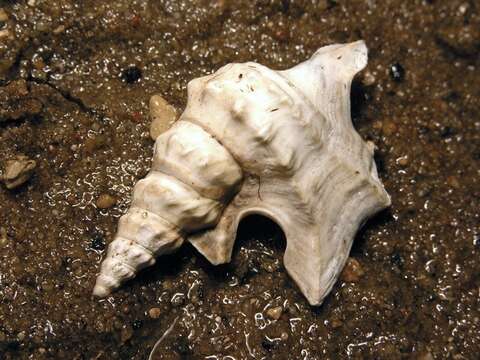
(257, 141)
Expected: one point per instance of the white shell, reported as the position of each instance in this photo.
(253, 140)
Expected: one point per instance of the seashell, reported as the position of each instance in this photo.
(257, 141)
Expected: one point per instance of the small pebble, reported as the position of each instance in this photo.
(352, 272)
(3, 15)
(377, 125)
(274, 313)
(403, 161)
(368, 79)
(18, 171)
(162, 115)
(397, 72)
(131, 74)
(4, 33)
(137, 324)
(21, 336)
(389, 128)
(154, 312)
(59, 29)
(106, 201)
(98, 242)
(323, 5)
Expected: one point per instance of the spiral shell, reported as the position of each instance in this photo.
(253, 140)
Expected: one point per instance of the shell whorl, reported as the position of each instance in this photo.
(254, 140)
(192, 178)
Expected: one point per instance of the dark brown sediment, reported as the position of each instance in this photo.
(83, 73)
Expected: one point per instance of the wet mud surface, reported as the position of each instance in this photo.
(75, 80)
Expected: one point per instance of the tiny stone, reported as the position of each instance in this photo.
(368, 79)
(21, 336)
(403, 161)
(397, 72)
(284, 336)
(274, 313)
(154, 313)
(323, 5)
(389, 128)
(377, 125)
(162, 115)
(352, 272)
(42, 26)
(137, 324)
(3, 15)
(131, 74)
(4, 33)
(106, 201)
(59, 29)
(98, 243)
(18, 171)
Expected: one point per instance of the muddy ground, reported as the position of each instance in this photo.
(75, 80)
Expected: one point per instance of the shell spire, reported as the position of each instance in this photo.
(191, 179)
(257, 141)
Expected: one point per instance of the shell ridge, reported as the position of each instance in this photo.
(165, 188)
(136, 243)
(159, 217)
(123, 263)
(172, 175)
